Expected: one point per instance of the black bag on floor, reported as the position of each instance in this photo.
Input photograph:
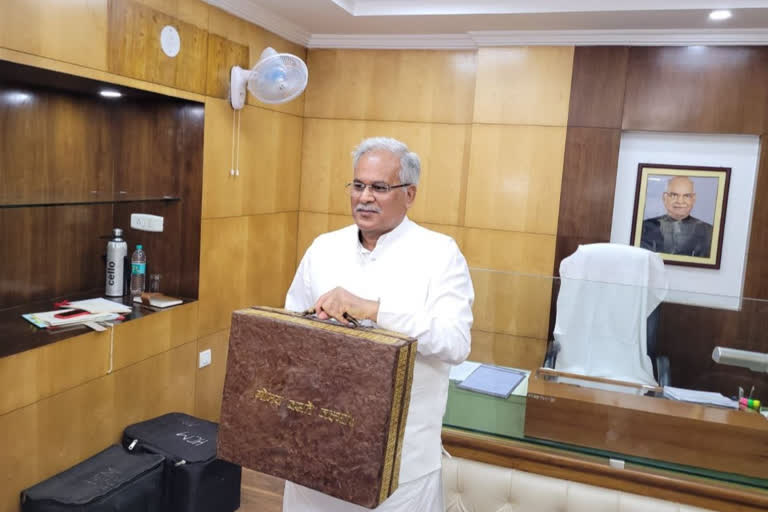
(110, 481)
(196, 481)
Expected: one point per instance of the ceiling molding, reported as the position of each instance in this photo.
(250, 11)
(454, 7)
(541, 38)
(265, 18)
(393, 41)
(725, 37)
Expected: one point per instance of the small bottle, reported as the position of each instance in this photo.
(117, 250)
(138, 271)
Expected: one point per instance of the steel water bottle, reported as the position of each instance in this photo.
(117, 250)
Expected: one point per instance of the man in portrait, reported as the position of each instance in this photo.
(677, 232)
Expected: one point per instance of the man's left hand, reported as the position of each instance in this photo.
(338, 301)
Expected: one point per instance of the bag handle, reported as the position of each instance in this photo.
(354, 323)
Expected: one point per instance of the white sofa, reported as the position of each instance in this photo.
(470, 486)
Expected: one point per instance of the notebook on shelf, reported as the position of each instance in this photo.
(157, 300)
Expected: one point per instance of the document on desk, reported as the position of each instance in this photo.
(699, 397)
(493, 380)
(461, 371)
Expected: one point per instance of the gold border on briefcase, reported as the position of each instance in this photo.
(394, 420)
(404, 416)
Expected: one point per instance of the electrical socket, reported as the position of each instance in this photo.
(147, 222)
(204, 358)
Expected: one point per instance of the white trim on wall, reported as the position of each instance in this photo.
(254, 13)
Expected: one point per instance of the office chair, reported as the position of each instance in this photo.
(607, 314)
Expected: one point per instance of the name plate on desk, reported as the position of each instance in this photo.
(317, 403)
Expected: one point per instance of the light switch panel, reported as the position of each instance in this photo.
(147, 222)
(204, 358)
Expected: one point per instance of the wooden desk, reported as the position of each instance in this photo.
(719, 439)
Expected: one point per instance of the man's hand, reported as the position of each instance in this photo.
(339, 301)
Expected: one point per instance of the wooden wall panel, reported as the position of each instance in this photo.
(57, 30)
(327, 165)
(514, 178)
(523, 85)
(597, 89)
(391, 85)
(509, 251)
(42, 136)
(158, 385)
(589, 177)
(194, 12)
(511, 303)
(55, 250)
(705, 89)
(223, 249)
(222, 56)
(271, 258)
(134, 47)
(223, 195)
(209, 381)
(506, 350)
(270, 160)
(690, 354)
(756, 279)
(149, 336)
(51, 369)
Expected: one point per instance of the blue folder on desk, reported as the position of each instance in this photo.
(493, 380)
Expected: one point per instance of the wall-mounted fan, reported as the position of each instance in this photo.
(276, 78)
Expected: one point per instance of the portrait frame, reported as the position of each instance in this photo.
(715, 180)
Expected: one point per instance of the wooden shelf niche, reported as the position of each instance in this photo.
(74, 165)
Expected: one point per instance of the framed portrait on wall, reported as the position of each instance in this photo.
(679, 212)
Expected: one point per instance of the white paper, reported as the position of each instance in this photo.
(100, 305)
(699, 397)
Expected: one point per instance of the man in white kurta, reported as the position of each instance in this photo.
(389, 270)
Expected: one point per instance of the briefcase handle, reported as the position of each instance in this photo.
(353, 323)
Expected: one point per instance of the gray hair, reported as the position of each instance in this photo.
(410, 165)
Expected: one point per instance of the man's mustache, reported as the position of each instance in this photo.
(364, 208)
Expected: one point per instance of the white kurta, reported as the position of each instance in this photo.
(422, 283)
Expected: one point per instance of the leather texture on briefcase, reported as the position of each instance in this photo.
(317, 403)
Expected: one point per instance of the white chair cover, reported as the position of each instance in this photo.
(606, 293)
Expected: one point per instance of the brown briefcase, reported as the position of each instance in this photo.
(317, 403)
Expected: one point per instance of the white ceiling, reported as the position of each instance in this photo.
(469, 24)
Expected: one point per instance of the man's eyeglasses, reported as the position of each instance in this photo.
(357, 188)
(675, 196)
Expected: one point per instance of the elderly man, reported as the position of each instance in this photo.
(405, 278)
(677, 232)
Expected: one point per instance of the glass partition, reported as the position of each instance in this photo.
(618, 370)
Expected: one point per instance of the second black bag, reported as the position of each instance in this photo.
(196, 481)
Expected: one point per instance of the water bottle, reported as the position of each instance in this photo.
(138, 271)
(117, 250)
